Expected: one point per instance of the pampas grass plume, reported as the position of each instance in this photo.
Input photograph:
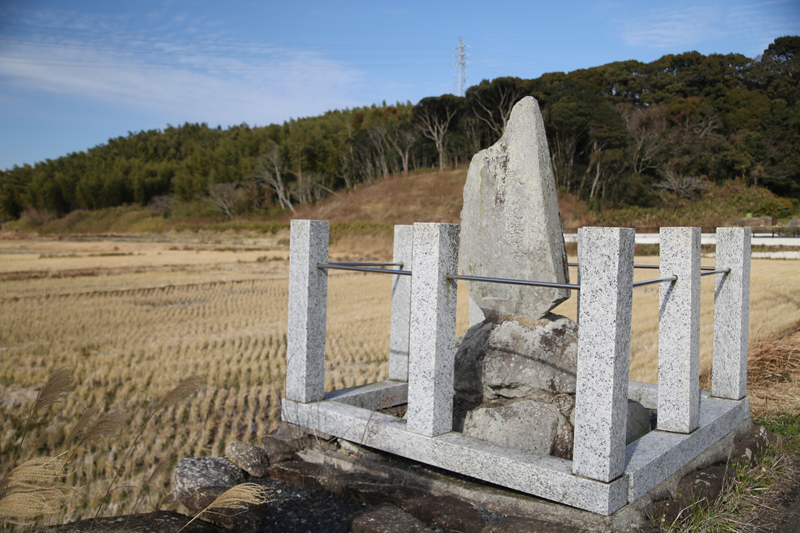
(53, 392)
(236, 498)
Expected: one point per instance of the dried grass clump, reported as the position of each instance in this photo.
(32, 490)
(751, 495)
(773, 373)
(775, 358)
(35, 490)
(53, 392)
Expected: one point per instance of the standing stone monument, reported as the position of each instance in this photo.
(510, 223)
(515, 371)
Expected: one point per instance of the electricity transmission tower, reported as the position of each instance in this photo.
(460, 81)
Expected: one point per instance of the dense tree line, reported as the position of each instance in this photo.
(625, 133)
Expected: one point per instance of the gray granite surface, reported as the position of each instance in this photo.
(401, 304)
(433, 327)
(601, 407)
(679, 330)
(308, 303)
(510, 222)
(731, 314)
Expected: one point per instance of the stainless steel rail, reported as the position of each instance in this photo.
(653, 281)
(723, 271)
(365, 264)
(517, 282)
(646, 266)
(338, 266)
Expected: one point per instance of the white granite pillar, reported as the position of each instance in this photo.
(433, 329)
(308, 300)
(401, 304)
(604, 349)
(731, 314)
(679, 331)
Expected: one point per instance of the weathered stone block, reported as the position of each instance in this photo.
(277, 450)
(446, 511)
(509, 356)
(752, 446)
(526, 425)
(193, 474)
(516, 524)
(384, 518)
(251, 459)
(155, 522)
(510, 222)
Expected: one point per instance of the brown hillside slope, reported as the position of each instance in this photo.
(430, 197)
(398, 199)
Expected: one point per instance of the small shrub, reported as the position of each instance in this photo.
(775, 208)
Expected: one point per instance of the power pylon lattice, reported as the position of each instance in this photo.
(460, 81)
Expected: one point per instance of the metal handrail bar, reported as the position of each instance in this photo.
(354, 267)
(723, 271)
(516, 282)
(365, 264)
(652, 281)
(646, 266)
(335, 266)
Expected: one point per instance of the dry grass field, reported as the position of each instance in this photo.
(134, 316)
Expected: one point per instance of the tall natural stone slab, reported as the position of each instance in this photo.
(510, 222)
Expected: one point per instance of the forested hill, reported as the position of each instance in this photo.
(625, 133)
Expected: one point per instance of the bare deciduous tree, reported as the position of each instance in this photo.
(470, 125)
(433, 116)
(673, 180)
(225, 197)
(493, 101)
(376, 137)
(402, 141)
(646, 127)
(269, 170)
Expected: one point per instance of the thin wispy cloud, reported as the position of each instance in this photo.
(204, 79)
(688, 26)
(667, 28)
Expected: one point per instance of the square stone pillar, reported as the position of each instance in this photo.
(604, 350)
(401, 304)
(433, 329)
(679, 331)
(731, 314)
(308, 301)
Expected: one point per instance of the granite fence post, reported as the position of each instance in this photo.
(308, 298)
(433, 327)
(401, 304)
(604, 346)
(679, 331)
(731, 314)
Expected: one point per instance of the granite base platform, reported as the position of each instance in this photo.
(351, 414)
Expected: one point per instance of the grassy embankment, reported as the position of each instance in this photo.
(368, 212)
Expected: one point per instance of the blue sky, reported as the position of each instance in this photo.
(74, 74)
